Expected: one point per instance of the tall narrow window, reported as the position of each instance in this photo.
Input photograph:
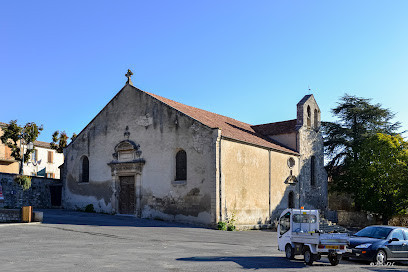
(34, 156)
(84, 169)
(312, 171)
(316, 120)
(291, 200)
(309, 117)
(181, 165)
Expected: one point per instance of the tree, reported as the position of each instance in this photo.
(379, 178)
(15, 136)
(358, 120)
(59, 141)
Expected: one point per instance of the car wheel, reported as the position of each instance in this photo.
(380, 257)
(290, 253)
(308, 257)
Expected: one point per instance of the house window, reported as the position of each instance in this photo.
(312, 171)
(84, 173)
(316, 119)
(50, 157)
(309, 117)
(181, 165)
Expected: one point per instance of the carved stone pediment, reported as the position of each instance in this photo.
(126, 159)
(126, 151)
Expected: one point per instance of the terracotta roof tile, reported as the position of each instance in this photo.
(42, 144)
(230, 127)
(283, 127)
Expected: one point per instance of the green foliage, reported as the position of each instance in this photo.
(346, 139)
(222, 225)
(89, 208)
(74, 135)
(14, 135)
(229, 224)
(23, 181)
(378, 180)
(358, 119)
(59, 141)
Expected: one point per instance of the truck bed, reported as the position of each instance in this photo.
(320, 238)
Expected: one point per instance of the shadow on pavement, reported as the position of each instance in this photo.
(253, 262)
(98, 219)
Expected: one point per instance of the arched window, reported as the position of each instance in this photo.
(291, 200)
(84, 173)
(309, 117)
(312, 171)
(316, 119)
(181, 165)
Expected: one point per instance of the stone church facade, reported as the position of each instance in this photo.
(152, 157)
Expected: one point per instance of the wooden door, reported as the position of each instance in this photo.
(127, 195)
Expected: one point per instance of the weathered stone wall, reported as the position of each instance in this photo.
(357, 219)
(254, 182)
(310, 142)
(37, 196)
(160, 131)
(399, 220)
(10, 215)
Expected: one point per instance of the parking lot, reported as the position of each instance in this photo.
(74, 241)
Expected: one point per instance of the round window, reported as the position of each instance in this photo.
(291, 162)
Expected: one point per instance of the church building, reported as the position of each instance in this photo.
(151, 157)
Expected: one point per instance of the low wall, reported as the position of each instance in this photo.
(10, 215)
(357, 219)
(38, 195)
(399, 220)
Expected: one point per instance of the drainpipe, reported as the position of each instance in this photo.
(218, 187)
(270, 182)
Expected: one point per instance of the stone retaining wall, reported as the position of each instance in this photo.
(353, 219)
(37, 196)
(10, 215)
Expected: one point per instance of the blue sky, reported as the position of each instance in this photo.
(61, 62)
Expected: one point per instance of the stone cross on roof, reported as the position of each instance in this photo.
(128, 75)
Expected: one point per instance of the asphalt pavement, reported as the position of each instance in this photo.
(76, 241)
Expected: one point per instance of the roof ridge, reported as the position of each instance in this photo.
(279, 122)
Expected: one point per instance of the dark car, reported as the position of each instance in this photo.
(379, 244)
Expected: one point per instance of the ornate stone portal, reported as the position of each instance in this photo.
(126, 169)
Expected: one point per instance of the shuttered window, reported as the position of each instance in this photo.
(50, 157)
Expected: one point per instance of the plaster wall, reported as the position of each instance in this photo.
(7, 163)
(254, 182)
(33, 166)
(287, 139)
(161, 132)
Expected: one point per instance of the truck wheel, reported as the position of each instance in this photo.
(334, 259)
(290, 252)
(308, 257)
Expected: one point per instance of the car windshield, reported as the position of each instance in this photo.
(374, 232)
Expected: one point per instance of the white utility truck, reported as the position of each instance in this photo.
(298, 233)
